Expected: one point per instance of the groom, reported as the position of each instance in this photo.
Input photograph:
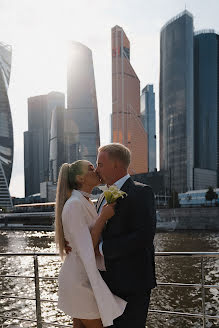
(127, 240)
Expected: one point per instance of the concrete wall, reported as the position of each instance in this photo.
(188, 218)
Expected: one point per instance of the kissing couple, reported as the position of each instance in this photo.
(108, 252)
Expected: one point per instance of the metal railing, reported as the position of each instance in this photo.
(202, 286)
(38, 300)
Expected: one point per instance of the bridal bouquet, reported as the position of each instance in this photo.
(113, 193)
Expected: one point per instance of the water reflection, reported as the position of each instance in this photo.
(183, 270)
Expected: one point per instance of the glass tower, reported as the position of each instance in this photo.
(57, 144)
(37, 138)
(149, 122)
(82, 137)
(177, 101)
(6, 128)
(206, 100)
(127, 127)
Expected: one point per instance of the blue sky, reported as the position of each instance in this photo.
(38, 29)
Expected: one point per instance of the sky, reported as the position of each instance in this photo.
(38, 31)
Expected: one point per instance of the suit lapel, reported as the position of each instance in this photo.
(100, 200)
(126, 187)
(129, 182)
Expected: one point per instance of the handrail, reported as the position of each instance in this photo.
(38, 299)
(192, 254)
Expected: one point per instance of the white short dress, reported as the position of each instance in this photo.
(82, 291)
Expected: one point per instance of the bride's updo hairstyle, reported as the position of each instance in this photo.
(67, 181)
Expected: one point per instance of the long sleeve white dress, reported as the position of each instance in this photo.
(82, 291)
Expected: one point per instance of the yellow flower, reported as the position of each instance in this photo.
(113, 193)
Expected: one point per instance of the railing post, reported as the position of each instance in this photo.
(203, 291)
(37, 293)
(6, 222)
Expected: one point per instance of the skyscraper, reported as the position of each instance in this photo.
(6, 128)
(81, 124)
(177, 101)
(36, 139)
(57, 149)
(149, 122)
(127, 127)
(206, 100)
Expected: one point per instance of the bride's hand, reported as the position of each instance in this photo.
(108, 211)
(68, 248)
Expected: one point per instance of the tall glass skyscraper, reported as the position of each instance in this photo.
(36, 139)
(127, 127)
(177, 101)
(6, 128)
(57, 149)
(149, 122)
(82, 137)
(206, 100)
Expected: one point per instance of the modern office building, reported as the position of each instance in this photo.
(149, 122)
(57, 155)
(36, 139)
(206, 109)
(158, 180)
(82, 137)
(177, 101)
(6, 128)
(127, 127)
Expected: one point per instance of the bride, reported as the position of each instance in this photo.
(83, 294)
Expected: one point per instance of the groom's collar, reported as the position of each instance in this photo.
(122, 183)
(119, 183)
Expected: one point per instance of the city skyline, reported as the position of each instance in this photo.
(189, 104)
(38, 48)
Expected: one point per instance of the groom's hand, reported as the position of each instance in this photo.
(68, 248)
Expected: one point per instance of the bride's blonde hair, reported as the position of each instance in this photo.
(67, 181)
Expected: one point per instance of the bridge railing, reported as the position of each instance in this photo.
(38, 300)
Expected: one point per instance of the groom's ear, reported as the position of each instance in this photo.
(117, 164)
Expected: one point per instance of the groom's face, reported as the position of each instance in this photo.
(105, 168)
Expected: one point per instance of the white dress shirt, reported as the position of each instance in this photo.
(119, 183)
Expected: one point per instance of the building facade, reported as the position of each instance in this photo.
(36, 139)
(57, 151)
(206, 107)
(159, 181)
(82, 137)
(203, 178)
(6, 128)
(149, 121)
(127, 127)
(177, 101)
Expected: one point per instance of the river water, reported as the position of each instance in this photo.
(183, 270)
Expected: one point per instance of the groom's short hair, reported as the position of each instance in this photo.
(117, 151)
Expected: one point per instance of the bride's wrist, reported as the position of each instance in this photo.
(103, 217)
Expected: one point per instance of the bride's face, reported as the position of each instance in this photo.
(90, 177)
